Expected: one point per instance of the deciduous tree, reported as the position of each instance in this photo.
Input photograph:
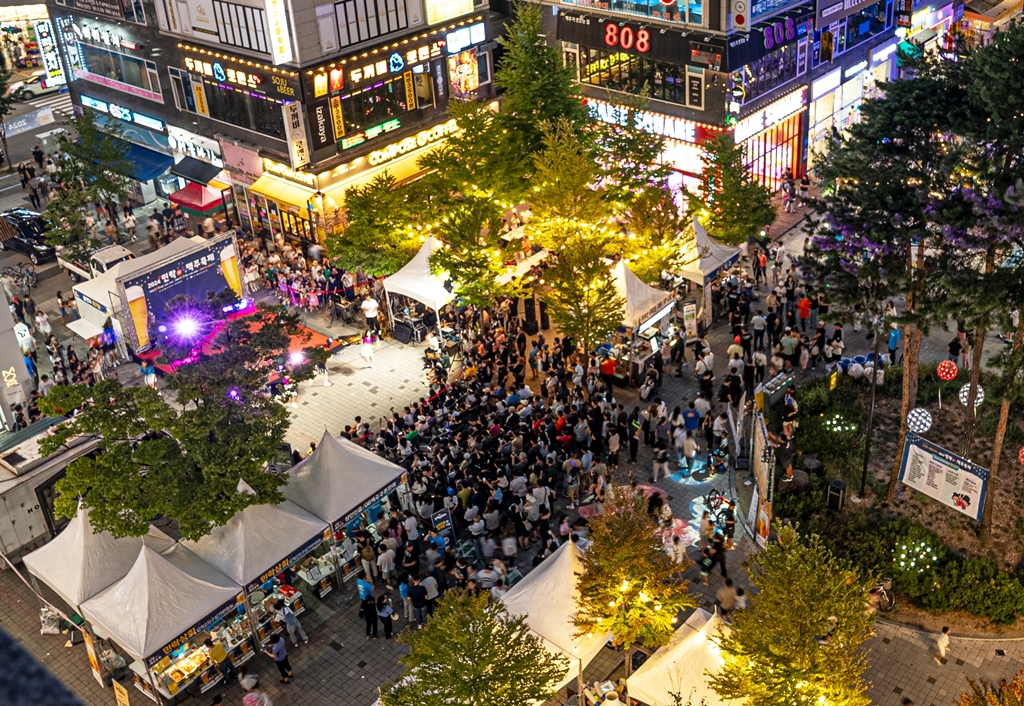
(473, 653)
(7, 103)
(1005, 692)
(798, 641)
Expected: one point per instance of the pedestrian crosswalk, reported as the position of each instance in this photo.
(60, 102)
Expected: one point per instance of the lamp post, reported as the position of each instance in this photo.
(871, 416)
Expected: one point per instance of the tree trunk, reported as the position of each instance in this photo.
(997, 446)
(971, 418)
(7, 152)
(911, 356)
(871, 418)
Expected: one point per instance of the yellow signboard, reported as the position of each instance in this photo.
(833, 380)
(410, 91)
(200, 94)
(337, 117)
(121, 694)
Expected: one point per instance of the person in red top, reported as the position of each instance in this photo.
(608, 372)
(803, 306)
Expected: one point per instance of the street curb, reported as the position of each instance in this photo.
(922, 631)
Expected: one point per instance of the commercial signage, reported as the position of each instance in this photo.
(420, 139)
(465, 37)
(444, 10)
(51, 58)
(637, 39)
(121, 113)
(395, 63)
(771, 115)
(320, 128)
(280, 32)
(944, 476)
(190, 144)
(90, 650)
(110, 8)
(442, 522)
(281, 170)
(768, 36)
(242, 73)
(760, 8)
(103, 37)
(352, 516)
(210, 267)
(904, 10)
(882, 53)
(295, 135)
(655, 123)
(198, 629)
(852, 71)
(29, 122)
(826, 84)
(830, 11)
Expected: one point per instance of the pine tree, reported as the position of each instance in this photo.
(798, 641)
(730, 204)
(627, 585)
(473, 653)
(1005, 692)
(582, 300)
(565, 176)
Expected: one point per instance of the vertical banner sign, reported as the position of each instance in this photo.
(338, 117)
(904, 12)
(295, 131)
(944, 476)
(690, 318)
(200, 93)
(442, 521)
(320, 124)
(410, 91)
(280, 34)
(121, 694)
(94, 664)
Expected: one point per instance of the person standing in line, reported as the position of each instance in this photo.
(418, 598)
(279, 653)
(368, 610)
(286, 615)
(941, 645)
(386, 614)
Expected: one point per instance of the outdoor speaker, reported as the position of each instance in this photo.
(403, 332)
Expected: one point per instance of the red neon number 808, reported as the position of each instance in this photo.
(627, 38)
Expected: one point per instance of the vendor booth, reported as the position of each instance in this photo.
(647, 311)
(79, 563)
(261, 548)
(348, 487)
(547, 598)
(198, 201)
(417, 282)
(162, 611)
(681, 666)
(705, 261)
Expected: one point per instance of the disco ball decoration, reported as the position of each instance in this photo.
(966, 390)
(919, 420)
(947, 370)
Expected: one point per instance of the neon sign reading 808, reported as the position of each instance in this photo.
(627, 38)
(778, 32)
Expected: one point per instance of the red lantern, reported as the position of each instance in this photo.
(947, 370)
(1020, 454)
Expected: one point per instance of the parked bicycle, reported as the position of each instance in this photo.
(883, 597)
(716, 503)
(22, 275)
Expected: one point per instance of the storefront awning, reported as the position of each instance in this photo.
(197, 200)
(195, 170)
(147, 164)
(281, 190)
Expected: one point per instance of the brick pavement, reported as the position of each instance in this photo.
(340, 665)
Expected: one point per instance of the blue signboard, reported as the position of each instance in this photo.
(442, 521)
(198, 629)
(352, 517)
(291, 559)
(944, 476)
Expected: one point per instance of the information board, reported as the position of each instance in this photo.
(944, 476)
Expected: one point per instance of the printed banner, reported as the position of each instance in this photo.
(944, 476)
(28, 122)
(442, 521)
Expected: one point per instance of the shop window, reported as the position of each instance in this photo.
(241, 26)
(774, 70)
(868, 23)
(632, 74)
(136, 73)
(244, 109)
(681, 11)
(374, 104)
(181, 87)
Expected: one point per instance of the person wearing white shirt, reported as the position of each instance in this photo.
(411, 527)
(370, 309)
(386, 564)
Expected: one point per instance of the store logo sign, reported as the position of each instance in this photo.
(770, 115)
(654, 123)
(396, 63)
(280, 34)
(420, 139)
(282, 170)
(122, 113)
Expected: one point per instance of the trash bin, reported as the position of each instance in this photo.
(836, 494)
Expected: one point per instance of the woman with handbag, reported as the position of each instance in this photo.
(387, 615)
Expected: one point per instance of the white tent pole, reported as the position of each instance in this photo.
(391, 315)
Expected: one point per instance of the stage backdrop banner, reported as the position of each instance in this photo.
(941, 474)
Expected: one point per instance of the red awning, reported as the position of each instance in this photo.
(197, 199)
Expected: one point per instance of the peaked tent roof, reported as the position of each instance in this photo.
(680, 665)
(79, 563)
(705, 256)
(337, 477)
(255, 539)
(156, 601)
(642, 300)
(416, 281)
(547, 598)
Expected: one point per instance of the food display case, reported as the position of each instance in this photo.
(316, 572)
(261, 606)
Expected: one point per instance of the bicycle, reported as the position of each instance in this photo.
(886, 599)
(716, 503)
(22, 275)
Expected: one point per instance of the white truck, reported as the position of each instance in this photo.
(99, 261)
(27, 480)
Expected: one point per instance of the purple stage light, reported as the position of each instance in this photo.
(186, 327)
(296, 358)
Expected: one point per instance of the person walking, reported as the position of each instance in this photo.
(418, 597)
(941, 645)
(368, 610)
(894, 342)
(370, 309)
(387, 615)
(726, 597)
(366, 349)
(286, 615)
(718, 554)
(279, 653)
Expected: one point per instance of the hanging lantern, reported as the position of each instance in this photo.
(947, 370)
(1020, 454)
(919, 420)
(965, 391)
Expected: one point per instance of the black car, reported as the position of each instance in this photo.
(23, 230)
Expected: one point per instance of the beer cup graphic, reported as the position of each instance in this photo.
(140, 313)
(229, 268)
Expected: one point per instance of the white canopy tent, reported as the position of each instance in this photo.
(643, 302)
(680, 665)
(704, 257)
(337, 477)
(79, 563)
(416, 281)
(159, 599)
(256, 539)
(547, 598)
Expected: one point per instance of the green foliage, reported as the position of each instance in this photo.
(65, 224)
(798, 641)
(537, 85)
(98, 157)
(1005, 692)
(730, 204)
(189, 468)
(657, 227)
(582, 300)
(626, 586)
(565, 176)
(7, 103)
(473, 653)
(378, 238)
